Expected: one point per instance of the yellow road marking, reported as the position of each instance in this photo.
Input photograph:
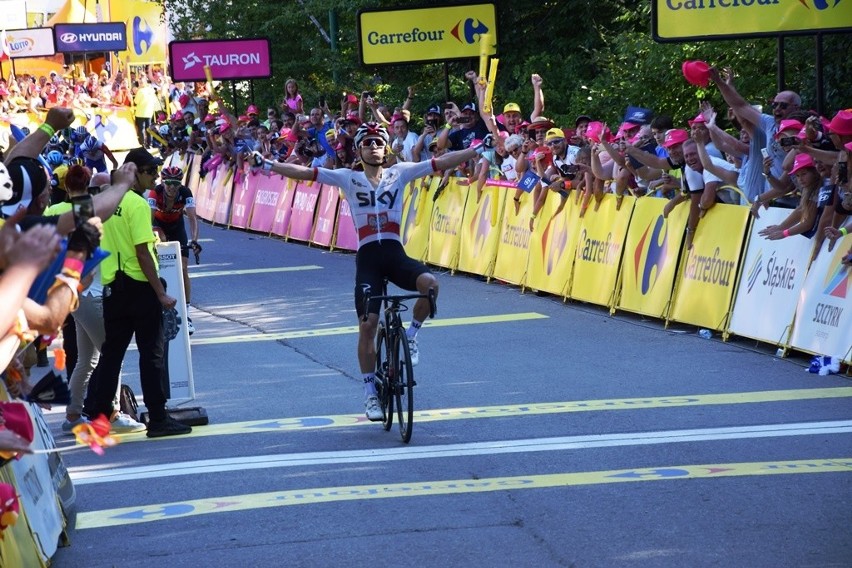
(254, 271)
(310, 496)
(304, 423)
(299, 334)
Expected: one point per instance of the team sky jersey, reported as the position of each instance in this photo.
(377, 213)
(173, 214)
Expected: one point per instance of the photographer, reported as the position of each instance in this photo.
(466, 126)
(432, 121)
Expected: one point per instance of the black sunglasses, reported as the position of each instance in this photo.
(780, 104)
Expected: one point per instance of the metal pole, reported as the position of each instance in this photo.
(780, 78)
(251, 90)
(332, 33)
(820, 87)
(234, 95)
(446, 82)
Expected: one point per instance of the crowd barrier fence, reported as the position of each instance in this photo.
(630, 258)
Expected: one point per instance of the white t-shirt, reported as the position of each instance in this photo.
(508, 168)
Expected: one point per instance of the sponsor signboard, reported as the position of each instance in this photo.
(425, 34)
(34, 42)
(677, 20)
(238, 59)
(82, 38)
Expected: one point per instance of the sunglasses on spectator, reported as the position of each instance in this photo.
(556, 142)
(369, 143)
(780, 104)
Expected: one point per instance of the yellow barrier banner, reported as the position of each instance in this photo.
(651, 251)
(599, 248)
(417, 216)
(552, 245)
(445, 236)
(705, 283)
(688, 19)
(480, 234)
(514, 249)
(425, 34)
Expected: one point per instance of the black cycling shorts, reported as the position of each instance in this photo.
(378, 260)
(176, 232)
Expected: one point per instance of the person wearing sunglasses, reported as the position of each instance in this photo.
(375, 196)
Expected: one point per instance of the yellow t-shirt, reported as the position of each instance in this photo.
(129, 226)
(57, 209)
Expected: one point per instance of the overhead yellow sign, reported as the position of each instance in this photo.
(676, 20)
(425, 34)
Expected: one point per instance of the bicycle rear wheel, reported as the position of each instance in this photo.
(404, 391)
(383, 388)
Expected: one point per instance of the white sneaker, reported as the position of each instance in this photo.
(413, 350)
(189, 327)
(124, 424)
(373, 409)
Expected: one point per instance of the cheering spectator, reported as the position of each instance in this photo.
(802, 219)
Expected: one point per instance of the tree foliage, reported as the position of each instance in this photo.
(595, 57)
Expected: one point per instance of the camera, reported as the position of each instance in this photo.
(568, 170)
(788, 141)
(432, 122)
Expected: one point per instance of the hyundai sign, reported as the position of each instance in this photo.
(238, 59)
(81, 38)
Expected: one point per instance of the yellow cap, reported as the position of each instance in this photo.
(512, 107)
(553, 134)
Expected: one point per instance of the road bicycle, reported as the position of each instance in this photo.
(394, 372)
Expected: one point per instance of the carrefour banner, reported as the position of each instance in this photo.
(705, 284)
(446, 226)
(425, 34)
(417, 216)
(479, 238)
(678, 20)
(650, 257)
(599, 248)
(824, 313)
(146, 30)
(773, 275)
(513, 251)
(552, 243)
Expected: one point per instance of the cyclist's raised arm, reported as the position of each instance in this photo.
(452, 159)
(292, 171)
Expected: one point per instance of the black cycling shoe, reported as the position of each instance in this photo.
(167, 427)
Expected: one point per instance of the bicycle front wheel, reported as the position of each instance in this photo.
(383, 378)
(404, 392)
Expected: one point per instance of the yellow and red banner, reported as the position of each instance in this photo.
(146, 33)
(417, 216)
(480, 232)
(552, 244)
(514, 247)
(446, 226)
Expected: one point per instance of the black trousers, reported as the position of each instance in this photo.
(130, 308)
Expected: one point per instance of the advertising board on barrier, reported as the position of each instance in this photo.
(326, 215)
(346, 238)
(445, 229)
(417, 208)
(238, 59)
(479, 237)
(551, 257)
(82, 38)
(181, 382)
(32, 42)
(677, 20)
(425, 34)
(824, 313)
(773, 275)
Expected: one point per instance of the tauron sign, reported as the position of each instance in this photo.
(237, 59)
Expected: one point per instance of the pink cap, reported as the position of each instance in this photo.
(242, 118)
(788, 124)
(351, 99)
(848, 146)
(251, 109)
(595, 131)
(803, 134)
(178, 115)
(674, 137)
(697, 120)
(224, 127)
(802, 161)
(696, 73)
(209, 118)
(842, 123)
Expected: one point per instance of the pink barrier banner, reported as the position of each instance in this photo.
(245, 188)
(224, 189)
(304, 205)
(268, 192)
(205, 197)
(284, 209)
(347, 238)
(326, 212)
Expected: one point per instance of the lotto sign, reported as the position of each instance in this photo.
(425, 34)
(239, 59)
(676, 20)
(36, 42)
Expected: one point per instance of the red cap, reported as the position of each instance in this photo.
(696, 73)
(697, 120)
(674, 137)
(788, 124)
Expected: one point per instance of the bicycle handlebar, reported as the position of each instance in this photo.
(398, 298)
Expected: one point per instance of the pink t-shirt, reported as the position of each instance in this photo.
(294, 104)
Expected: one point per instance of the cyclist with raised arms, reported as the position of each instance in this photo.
(375, 196)
(169, 201)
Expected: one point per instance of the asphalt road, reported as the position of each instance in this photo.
(548, 434)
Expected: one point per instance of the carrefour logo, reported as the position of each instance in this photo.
(466, 31)
(819, 4)
(653, 246)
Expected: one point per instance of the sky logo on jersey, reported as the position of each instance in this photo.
(654, 253)
(468, 30)
(754, 271)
